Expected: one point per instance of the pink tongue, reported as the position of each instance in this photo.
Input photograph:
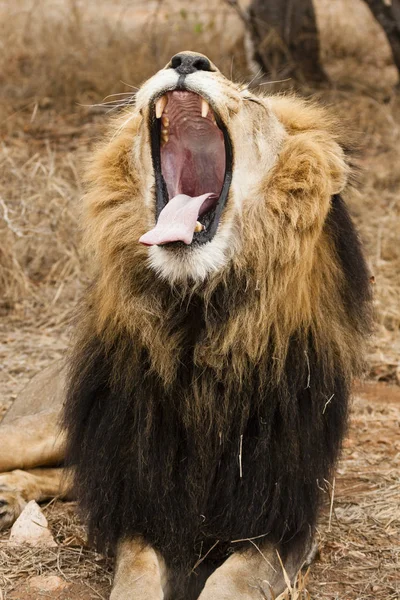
(177, 221)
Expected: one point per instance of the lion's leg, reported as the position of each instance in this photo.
(28, 442)
(31, 441)
(140, 572)
(253, 574)
(19, 487)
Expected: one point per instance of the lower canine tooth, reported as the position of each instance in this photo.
(205, 107)
(160, 105)
(199, 227)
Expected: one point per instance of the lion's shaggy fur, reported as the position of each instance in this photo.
(167, 381)
(284, 246)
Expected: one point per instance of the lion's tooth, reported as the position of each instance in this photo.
(165, 120)
(160, 105)
(199, 227)
(205, 107)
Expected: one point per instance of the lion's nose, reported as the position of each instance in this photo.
(184, 64)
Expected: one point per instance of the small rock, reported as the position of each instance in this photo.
(31, 528)
(48, 583)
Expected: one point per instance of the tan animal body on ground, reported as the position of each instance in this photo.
(206, 391)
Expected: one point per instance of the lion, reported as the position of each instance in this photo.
(206, 391)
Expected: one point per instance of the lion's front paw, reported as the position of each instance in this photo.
(146, 591)
(12, 501)
(11, 505)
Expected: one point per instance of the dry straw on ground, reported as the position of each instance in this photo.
(57, 56)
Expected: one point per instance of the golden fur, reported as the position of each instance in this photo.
(281, 239)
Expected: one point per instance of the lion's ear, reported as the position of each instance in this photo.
(313, 128)
(311, 167)
(339, 169)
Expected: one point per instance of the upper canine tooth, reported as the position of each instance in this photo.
(160, 105)
(198, 227)
(205, 107)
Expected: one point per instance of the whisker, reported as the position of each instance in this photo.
(124, 124)
(130, 86)
(126, 102)
(271, 82)
(119, 94)
(259, 72)
(110, 110)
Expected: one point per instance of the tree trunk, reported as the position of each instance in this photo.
(285, 39)
(388, 16)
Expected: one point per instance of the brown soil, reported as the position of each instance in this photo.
(72, 591)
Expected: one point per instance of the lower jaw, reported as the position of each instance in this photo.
(188, 266)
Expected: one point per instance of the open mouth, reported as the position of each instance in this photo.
(192, 158)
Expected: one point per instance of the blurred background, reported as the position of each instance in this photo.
(64, 66)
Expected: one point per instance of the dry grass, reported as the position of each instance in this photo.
(71, 557)
(56, 55)
(358, 60)
(66, 51)
(360, 540)
(45, 132)
(38, 202)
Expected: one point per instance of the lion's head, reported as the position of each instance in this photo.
(207, 165)
(209, 139)
(203, 185)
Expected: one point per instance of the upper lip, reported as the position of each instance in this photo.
(162, 197)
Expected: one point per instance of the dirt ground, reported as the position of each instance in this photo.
(358, 533)
(46, 131)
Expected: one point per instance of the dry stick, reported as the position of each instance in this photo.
(251, 540)
(257, 537)
(285, 575)
(240, 457)
(309, 372)
(205, 556)
(8, 220)
(95, 591)
(331, 506)
(34, 112)
(262, 554)
(326, 403)
(59, 566)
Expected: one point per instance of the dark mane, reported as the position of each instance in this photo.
(248, 458)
